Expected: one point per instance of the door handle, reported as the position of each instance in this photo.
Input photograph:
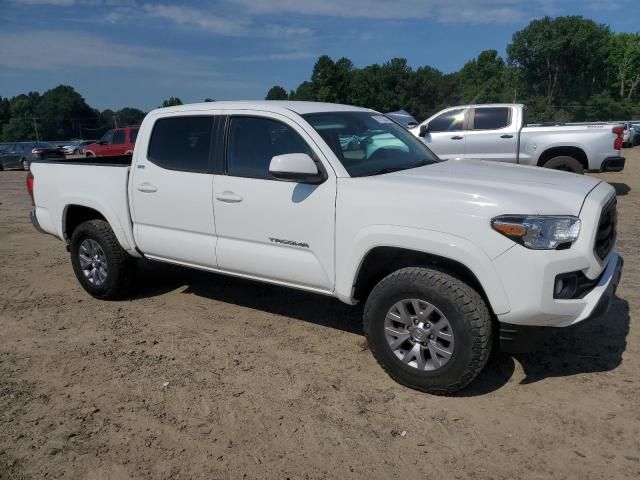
(228, 197)
(147, 187)
(506, 135)
(457, 137)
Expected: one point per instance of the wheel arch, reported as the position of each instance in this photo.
(75, 213)
(378, 254)
(564, 151)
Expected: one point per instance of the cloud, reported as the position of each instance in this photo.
(446, 11)
(50, 50)
(57, 3)
(238, 26)
(202, 20)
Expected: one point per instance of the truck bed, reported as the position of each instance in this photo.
(98, 183)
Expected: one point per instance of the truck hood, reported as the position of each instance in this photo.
(508, 188)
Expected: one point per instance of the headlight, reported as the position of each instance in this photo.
(538, 232)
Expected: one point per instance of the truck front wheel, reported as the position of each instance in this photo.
(567, 164)
(102, 266)
(428, 330)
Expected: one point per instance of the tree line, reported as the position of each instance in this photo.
(62, 113)
(565, 68)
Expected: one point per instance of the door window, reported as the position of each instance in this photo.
(133, 134)
(118, 137)
(450, 121)
(182, 143)
(254, 141)
(491, 118)
(108, 137)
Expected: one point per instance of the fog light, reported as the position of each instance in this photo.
(565, 286)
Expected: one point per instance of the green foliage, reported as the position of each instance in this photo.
(564, 68)
(277, 93)
(171, 102)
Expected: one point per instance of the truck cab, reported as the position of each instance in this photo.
(118, 141)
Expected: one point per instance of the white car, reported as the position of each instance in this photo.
(344, 202)
(499, 132)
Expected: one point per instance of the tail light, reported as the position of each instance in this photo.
(617, 143)
(36, 151)
(30, 181)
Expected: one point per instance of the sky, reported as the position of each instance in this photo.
(136, 53)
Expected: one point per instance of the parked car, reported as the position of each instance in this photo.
(636, 136)
(76, 147)
(499, 132)
(342, 201)
(404, 118)
(20, 155)
(119, 141)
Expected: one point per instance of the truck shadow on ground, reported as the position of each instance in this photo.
(595, 346)
(592, 347)
(621, 188)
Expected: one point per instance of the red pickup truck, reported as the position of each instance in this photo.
(116, 142)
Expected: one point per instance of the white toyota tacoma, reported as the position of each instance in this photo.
(448, 257)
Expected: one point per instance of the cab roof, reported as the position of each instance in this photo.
(300, 108)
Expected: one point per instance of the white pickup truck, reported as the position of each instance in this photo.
(499, 132)
(342, 201)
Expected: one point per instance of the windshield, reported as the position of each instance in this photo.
(368, 143)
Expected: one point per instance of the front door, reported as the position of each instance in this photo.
(171, 191)
(446, 135)
(492, 135)
(270, 229)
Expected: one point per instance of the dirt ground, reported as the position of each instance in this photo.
(204, 376)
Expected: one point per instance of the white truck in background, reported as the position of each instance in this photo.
(499, 132)
(344, 202)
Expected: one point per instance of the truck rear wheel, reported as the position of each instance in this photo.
(102, 266)
(566, 164)
(428, 330)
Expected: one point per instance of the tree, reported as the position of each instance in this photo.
(562, 58)
(129, 116)
(487, 79)
(626, 63)
(171, 102)
(62, 112)
(277, 93)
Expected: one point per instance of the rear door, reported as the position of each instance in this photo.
(171, 190)
(492, 134)
(267, 228)
(446, 135)
(119, 143)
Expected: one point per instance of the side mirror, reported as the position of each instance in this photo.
(295, 167)
(424, 129)
(101, 142)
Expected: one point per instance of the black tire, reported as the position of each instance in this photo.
(465, 310)
(566, 164)
(90, 155)
(25, 165)
(120, 265)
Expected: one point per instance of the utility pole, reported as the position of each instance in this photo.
(35, 126)
(115, 121)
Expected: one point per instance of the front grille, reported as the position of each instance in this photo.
(606, 234)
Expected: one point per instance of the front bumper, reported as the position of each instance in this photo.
(613, 164)
(515, 338)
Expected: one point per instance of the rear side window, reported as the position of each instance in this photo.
(254, 141)
(491, 118)
(181, 143)
(118, 137)
(450, 121)
(133, 134)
